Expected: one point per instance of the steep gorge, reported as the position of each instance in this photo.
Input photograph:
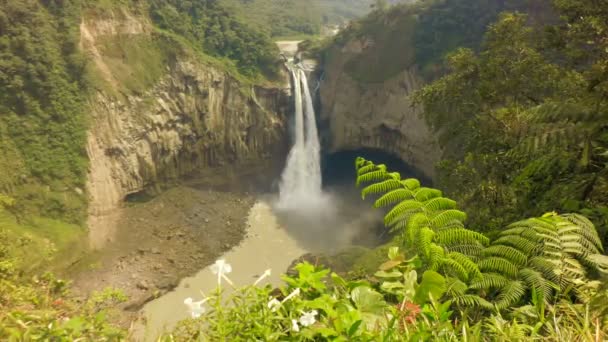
(193, 116)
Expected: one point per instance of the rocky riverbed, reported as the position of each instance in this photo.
(162, 240)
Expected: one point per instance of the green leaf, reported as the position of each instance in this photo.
(353, 328)
(368, 300)
(432, 284)
(392, 274)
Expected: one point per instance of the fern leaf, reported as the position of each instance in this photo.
(455, 287)
(510, 294)
(524, 245)
(588, 230)
(425, 194)
(377, 188)
(451, 266)
(450, 237)
(470, 300)
(440, 203)
(535, 280)
(544, 266)
(469, 265)
(436, 254)
(414, 224)
(489, 281)
(365, 169)
(395, 176)
(372, 176)
(507, 252)
(411, 183)
(399, 209)
(472, 251)
(446, 216)
(499, 265)
(424, 241)
(392, 197)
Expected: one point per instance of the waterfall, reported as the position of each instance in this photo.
(300, 186)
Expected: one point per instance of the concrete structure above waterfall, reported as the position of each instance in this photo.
(378, 115)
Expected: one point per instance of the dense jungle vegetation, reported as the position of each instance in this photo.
(517, 94)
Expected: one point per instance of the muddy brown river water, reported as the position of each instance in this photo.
(266, 246)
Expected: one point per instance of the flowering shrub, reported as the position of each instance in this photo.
(392, 305)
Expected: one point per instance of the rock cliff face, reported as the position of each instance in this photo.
(374, 115)
(195, 116)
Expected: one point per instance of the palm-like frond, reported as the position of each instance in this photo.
(545, 255)
(511, 293)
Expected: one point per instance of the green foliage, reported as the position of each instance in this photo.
(523, 121)
(40, 309)
(549, 256)
(42, 109)
(213, 29)
(395, 307)
(427, 223)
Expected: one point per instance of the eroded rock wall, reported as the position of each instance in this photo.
(195, 116)
(374, 115)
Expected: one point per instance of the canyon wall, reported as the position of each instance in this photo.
(194, 116)
(362, 114)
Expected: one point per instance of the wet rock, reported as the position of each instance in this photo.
(142, 285)
(137, 303)
(167, 283)
(155, 250)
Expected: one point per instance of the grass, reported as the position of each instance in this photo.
(137, 62)
(41, 243)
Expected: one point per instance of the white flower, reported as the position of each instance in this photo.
(308, 318)
(196, 308)
(294, 293)
(274, 304)
(294, 325)
(264, 275)
(221, 268)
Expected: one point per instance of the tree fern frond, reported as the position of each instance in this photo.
(455, 287)
(588, 230)
(425, 194)
(446, 216)
(395, 176)
(424, 238)
(376, 188)
(372, 176)
(510, 294)
(435, 256)
(499, 265)
(489, 281)
(544, 266)
(440, 203)
(471, 300)
(365, 169)
(534, 279)
(393, 197)
(411, 183)
(507, 252)
(523, 244)
(466, 262)
(451, 266)
(460, 236)
(472, 251)
(399, 209)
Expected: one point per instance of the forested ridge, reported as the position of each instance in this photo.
(524, 119)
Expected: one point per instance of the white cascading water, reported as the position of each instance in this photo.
(300, 186)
